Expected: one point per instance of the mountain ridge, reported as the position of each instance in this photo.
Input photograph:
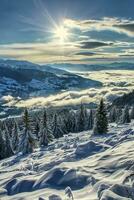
(18, 78)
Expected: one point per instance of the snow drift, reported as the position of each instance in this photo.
(97, 168)
(61, 178)
(89, 148)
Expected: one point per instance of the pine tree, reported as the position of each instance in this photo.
(63, 125)
(90, 120)
(119, 116)
(56, 127)
(82, 118)
(69, 193)
(9, 124)
(71, 122)
(132, 113)
(15, 136)
(27, 141)
(113, 114)
(8, 146)
(26, 119)
(74, 125)
(2, 144)
(125, 115)
(101, 121)
(66, 123)
(45, 131)
(37, 128)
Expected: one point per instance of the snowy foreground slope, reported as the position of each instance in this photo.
(93, 167)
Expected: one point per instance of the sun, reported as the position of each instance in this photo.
(61, 33)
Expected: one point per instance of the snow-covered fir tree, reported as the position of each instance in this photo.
(27, 141)
(69, 193)
(2, 143)
(66, 122)
(125, 115)
(132, 113)
(74, 118)
(26, 119)
(82, 118)
(90, 120)
(15, 136)
(8, 142)
(119, 115)
(45, 133)
(56, 127)
(113, 114)
(101, 121)
(37, 128)
(9, 124)
(71, 122)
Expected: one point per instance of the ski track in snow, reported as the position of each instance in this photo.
(95, 168)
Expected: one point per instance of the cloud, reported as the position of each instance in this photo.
(38, 52)
(7, 98)
(83, 53)
(93, 44)
(84, 36)
(73, 97)
(127, 55)
(125, 26)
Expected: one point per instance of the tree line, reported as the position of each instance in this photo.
(39, 129)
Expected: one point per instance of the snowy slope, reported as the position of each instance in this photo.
(93, 167)
(24, 79)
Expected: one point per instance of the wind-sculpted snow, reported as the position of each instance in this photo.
(54, 197)
(78, 166)
(118, 192)
(61, 178)
(17, 186)
(89, 148)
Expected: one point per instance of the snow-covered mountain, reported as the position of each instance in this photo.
(126, 99)
(94, 67)
(93, 167)
(24, 79)
(18, 64)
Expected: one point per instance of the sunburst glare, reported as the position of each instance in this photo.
(61, 33)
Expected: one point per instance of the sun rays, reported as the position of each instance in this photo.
(61, 33)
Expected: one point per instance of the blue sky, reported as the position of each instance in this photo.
(79, 31)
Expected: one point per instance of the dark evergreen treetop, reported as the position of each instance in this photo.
(101, 121)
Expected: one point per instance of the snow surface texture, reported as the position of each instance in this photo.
(88, 168)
